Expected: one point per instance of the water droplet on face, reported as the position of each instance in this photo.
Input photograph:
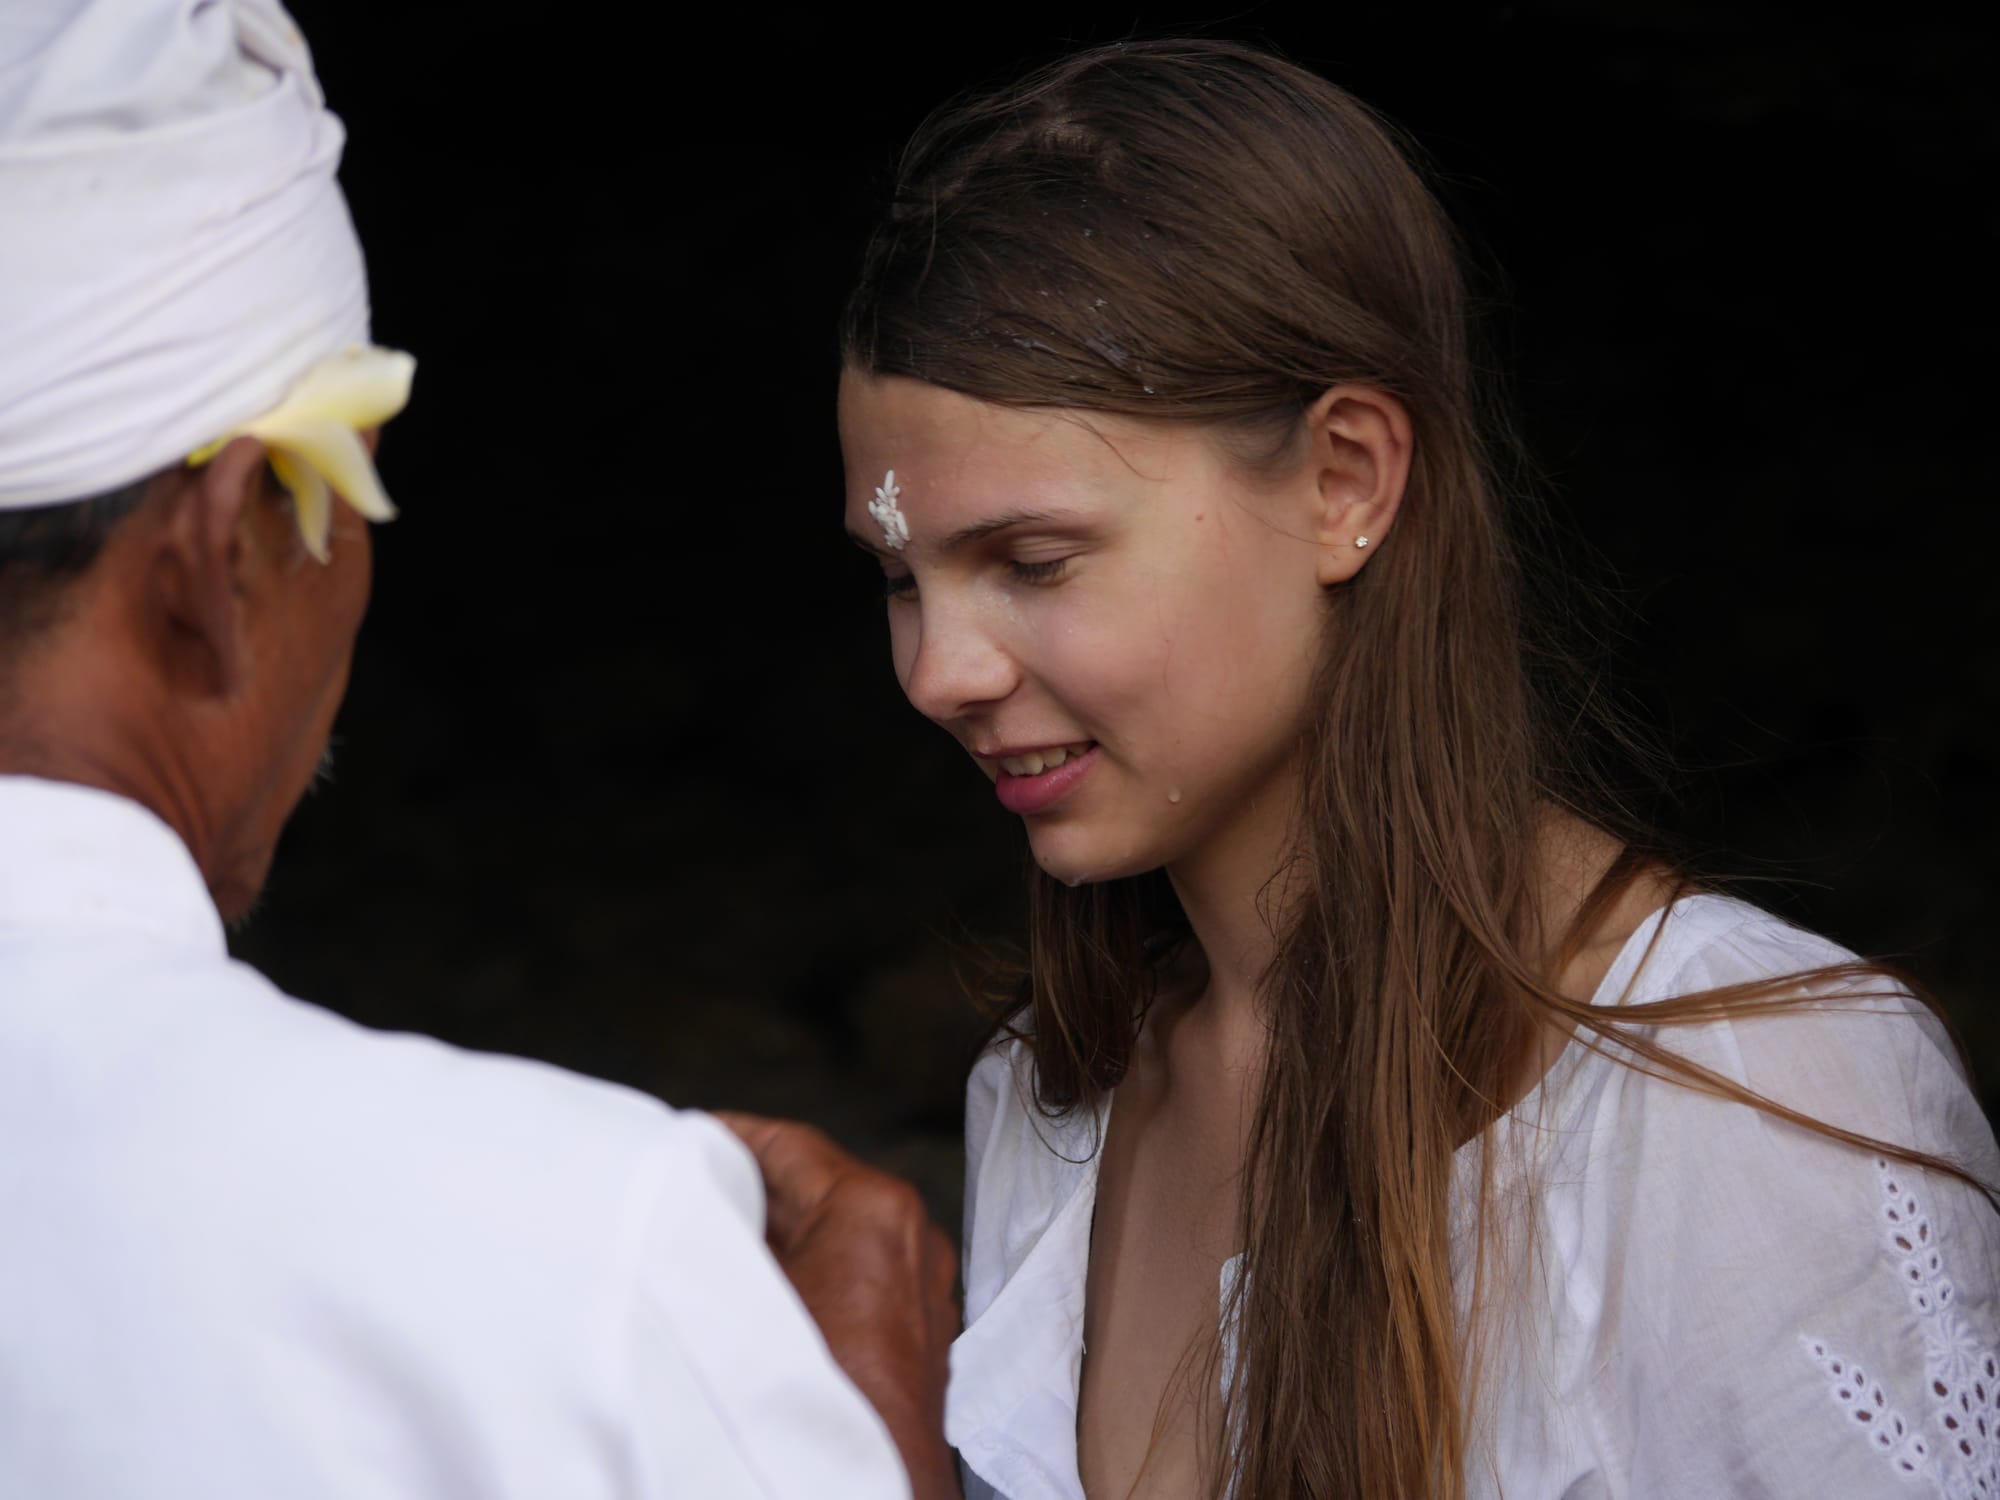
(1173, 796)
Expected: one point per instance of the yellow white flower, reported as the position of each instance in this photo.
(314, 436)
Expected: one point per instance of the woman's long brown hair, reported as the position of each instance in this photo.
(1200, 232)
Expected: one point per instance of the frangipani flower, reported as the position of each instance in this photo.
(314, 436)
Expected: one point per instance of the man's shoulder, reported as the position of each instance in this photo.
(201, 1079)
(374, 1241)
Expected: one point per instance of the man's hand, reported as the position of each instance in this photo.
(877, 1276)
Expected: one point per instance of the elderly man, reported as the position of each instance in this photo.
(247, 1249)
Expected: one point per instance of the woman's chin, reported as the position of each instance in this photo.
(1074, 863)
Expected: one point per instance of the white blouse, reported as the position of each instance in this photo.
(1716, 1303)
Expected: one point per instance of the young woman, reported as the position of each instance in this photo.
(1378, 1117)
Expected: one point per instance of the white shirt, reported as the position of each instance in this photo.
(1719, 1303)
(250, 1251)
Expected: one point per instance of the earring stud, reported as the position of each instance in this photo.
(1361, 541)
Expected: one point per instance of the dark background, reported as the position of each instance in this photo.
(614, 779)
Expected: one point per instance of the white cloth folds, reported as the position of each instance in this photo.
(1714, 1303)
(174, 249)
(250, 1251)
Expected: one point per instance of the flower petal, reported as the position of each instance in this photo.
(362, 387)
(314, 441)
(336, 451)
(311, 500)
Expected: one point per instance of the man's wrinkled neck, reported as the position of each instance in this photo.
(78, 708)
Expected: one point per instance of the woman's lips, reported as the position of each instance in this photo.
(1039, 793)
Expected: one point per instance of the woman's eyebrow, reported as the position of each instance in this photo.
(1006, 521)
(980, 530)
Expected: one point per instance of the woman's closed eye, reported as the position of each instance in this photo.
(1038, 572)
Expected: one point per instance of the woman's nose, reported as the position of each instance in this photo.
(953, 664)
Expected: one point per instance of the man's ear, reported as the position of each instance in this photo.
(206, 550)
(1360, 445)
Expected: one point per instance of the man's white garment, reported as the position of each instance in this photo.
(1718, 1304)
(250, 1251)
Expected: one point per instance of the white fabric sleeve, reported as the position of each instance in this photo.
(990, 1083)
(1779, 1314)
(734, 1391)
(985, 1090)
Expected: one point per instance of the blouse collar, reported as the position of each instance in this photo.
(1010, 1409)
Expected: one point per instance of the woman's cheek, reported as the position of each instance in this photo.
(1086, 650)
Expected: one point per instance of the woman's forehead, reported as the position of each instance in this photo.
(941, 442)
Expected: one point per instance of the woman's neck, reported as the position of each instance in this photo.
(1234, 894)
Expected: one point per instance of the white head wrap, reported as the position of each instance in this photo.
(174, 251)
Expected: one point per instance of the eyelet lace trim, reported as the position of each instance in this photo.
(1957, 1452)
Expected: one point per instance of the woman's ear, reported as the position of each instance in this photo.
(1360, 449)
